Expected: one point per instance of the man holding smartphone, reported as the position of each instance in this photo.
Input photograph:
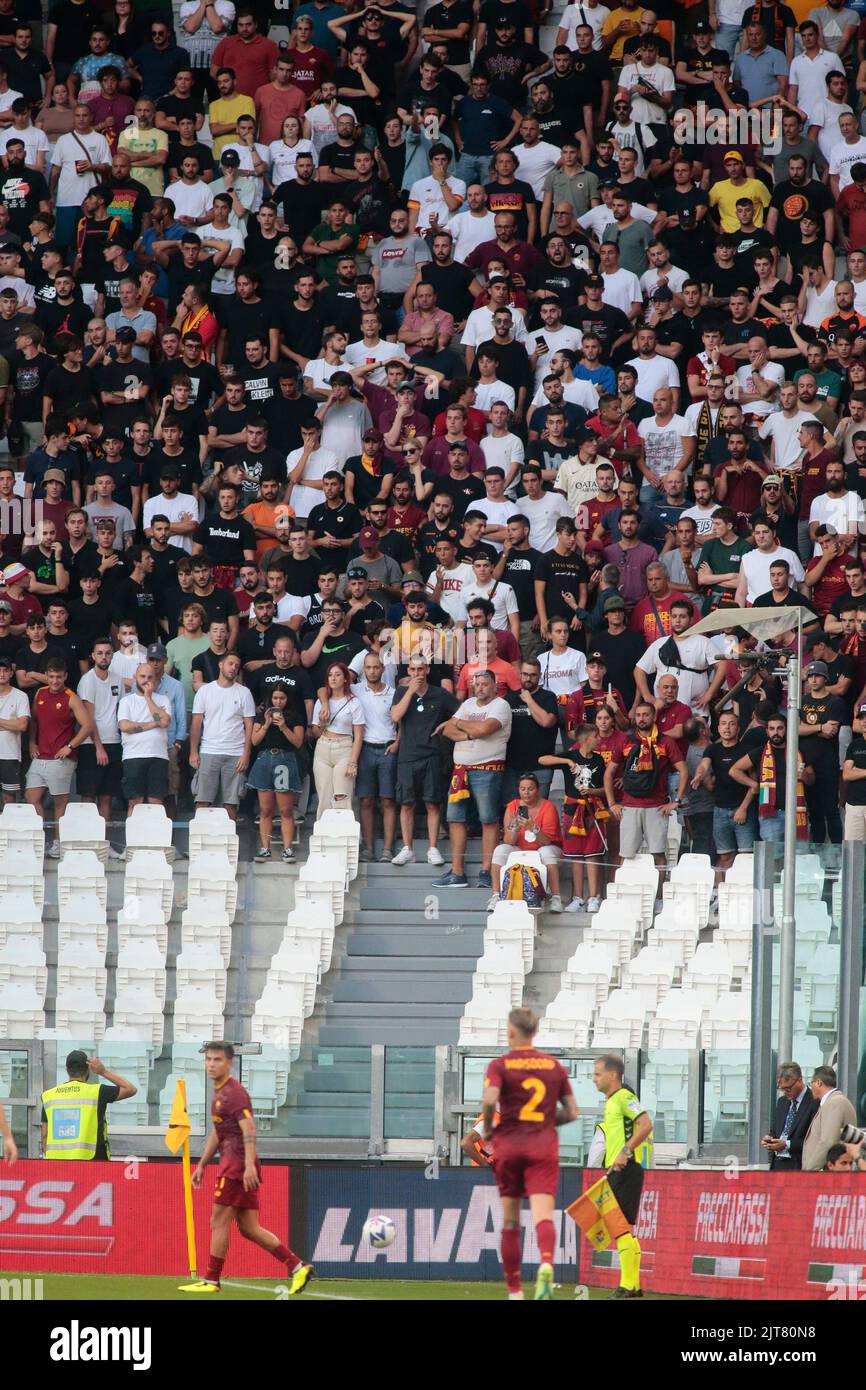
(795, 1110)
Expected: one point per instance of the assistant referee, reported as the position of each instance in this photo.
(626, 1127)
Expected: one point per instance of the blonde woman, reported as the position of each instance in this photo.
(338, 728)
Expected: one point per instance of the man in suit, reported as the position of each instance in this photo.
(834, 1111)
(795, 1110)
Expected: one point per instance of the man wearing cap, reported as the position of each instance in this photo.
(16, 584)
(180, 508)
(74, 1120)
(620, 648)
(370, 474)
(383, 571)
(363, 608)
(725, 193)
(14, 719)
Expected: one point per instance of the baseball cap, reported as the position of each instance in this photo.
(14, 572)
(358, 571)
(126, 335)
(771, 478)
(368, 535)
(504, 21)
(611, 604)
(817, 668)
(373, 435)
(76, 1059)
(4, 606)
(5, 663)
(169, 470)
(702, 27)
(593, 548)
(231, 159)
(597, 656)
(412, 577)
(594, 282)
(157, 652)
(733, 154)
(54, 475)
(821, 532)
(405, 386)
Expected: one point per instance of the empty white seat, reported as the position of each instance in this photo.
(338, 833)
(201, 923)
(728, 1022)
(142, 917)
(82, 827)
(484, 1020)
(141, 962)
(198, 1013)
(278, 1017)
(632, 899)
(500, 932)
(20, 915)
(149, 876)
(709, 973)
(266, 1077)
(21, 1012)
(727, 1073)
(138, 1012)
(213, 880)
(213, 830)
(565, 1022)
(615, 928)
(21, 872)
(79, 1013)
(297, 962)
(736, 906)
(83, 918)
(325, 874)
(813, 927)
(202, 965)
(588, 976)
(81, 965)
(650, 974)
(501, 966)
(302, 942)
(738, 945)
(620, 1020)
(677, 1021)
(148, 827)
(79, 872)
(22, 961)
(742, 870)
(128, 1057)
(670, 933)
(820, 981)
(21, 828)
(312, 916)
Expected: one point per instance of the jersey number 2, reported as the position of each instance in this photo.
(530, 1110)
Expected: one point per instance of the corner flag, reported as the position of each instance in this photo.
(178, 1121)
(598, 1215)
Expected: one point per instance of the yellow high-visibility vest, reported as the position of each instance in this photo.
(72, 1113)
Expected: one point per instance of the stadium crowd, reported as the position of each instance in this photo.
(385, 398)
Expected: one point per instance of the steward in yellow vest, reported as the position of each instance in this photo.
(73, 1113)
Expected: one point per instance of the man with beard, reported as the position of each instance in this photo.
(837, 508)
(455, 285)
(556, 275)
(763, 773)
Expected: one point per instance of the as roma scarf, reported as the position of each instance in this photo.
(767, 800)
(646, 746)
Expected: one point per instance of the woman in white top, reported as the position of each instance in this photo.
(338, 728)
(563, 668)
(283, 153)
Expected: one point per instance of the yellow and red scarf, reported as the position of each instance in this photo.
(768, 801)
(458, 789)
(647, 745)
(579, 815)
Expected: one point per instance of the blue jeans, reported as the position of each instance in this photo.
(486, 791)
(727, 37)
(730, 837)
(651, 496)
(772, 827)
(66, 221)
(473, 168)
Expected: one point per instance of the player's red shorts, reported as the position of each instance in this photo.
(524, 1171)
(229, 1192)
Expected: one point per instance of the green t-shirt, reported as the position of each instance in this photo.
(181, 653)
(722, 559)
(620, 1112)
(327, 265)
(632, 242)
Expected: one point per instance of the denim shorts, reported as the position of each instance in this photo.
(772, 827)
(377, 771)
(275, 769)
(730, 837)
(486, 792)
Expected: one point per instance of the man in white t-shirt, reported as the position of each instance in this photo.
(448, 580)
(81, 160)
(755, 565)
(181, 508)
(837, 508)
(809, 71)
(321, 119)
(653, 370)
(621, 287)
(758, 381)
(495, 506)
(851, 150)
(535, 157)
(479, 731)
(506, 616)
(99, 758)
(143, 718)
(472, 225)
(782, 429)
(14, 718)
(542, 509)
(703, 511)
(124, 663)
(434, 200)
(695, 668)
(220, 737)
(667, 445)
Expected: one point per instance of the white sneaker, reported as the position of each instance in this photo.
(576, 905)
(434, 857)
(593, 904)
(406, 856)
(555, 903)
(516, 1297)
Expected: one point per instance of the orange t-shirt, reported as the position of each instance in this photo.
(506, 676)
(264, 514)
(546, 818)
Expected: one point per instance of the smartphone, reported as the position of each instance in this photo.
(523, 812)
(542, 343)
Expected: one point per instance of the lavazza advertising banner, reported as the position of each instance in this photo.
(120, 1218)
(745, 1235)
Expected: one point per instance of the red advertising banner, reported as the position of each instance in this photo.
(739, 1234)
(121, 1218)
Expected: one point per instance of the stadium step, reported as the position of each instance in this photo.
(329, 1124)
(384, 1010)
(467, 944)
(400, 898)
(419, 1031)
(444, 968)
(427, 988)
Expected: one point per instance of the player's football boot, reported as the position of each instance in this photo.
(200, 1286)
(544, 1282)
(515, 1297)
(301, 1278)
(627, 1293)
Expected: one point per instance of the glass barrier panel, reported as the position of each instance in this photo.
(664, 1090)
(410, 1076)
(324, 1093)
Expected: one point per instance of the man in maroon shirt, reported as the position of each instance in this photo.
(737, 483)
(647, 759)
(519, 256)
(239, 1176)
(248, 53)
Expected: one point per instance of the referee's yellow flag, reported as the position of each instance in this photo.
(178, 1120)
(598, 1215)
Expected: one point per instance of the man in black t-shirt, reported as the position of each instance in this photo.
(854, 777)
(534, 727)
(735, 825)
(334, 523)
(226, 537)
(821, 717)
(333, 642)
(519, 568)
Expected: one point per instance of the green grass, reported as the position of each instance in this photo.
(149, 1289)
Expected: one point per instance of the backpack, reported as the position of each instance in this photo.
(522, 883)
(640, 784)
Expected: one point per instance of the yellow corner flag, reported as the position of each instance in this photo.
(597, 1213)
(178, 1121)
(177, 1137)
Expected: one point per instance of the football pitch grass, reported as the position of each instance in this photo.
(130, 1288)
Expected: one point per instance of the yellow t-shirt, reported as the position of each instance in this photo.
(138, 141)
(614, 18)
(228, 109)
(620, 1112)
(724, 195)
